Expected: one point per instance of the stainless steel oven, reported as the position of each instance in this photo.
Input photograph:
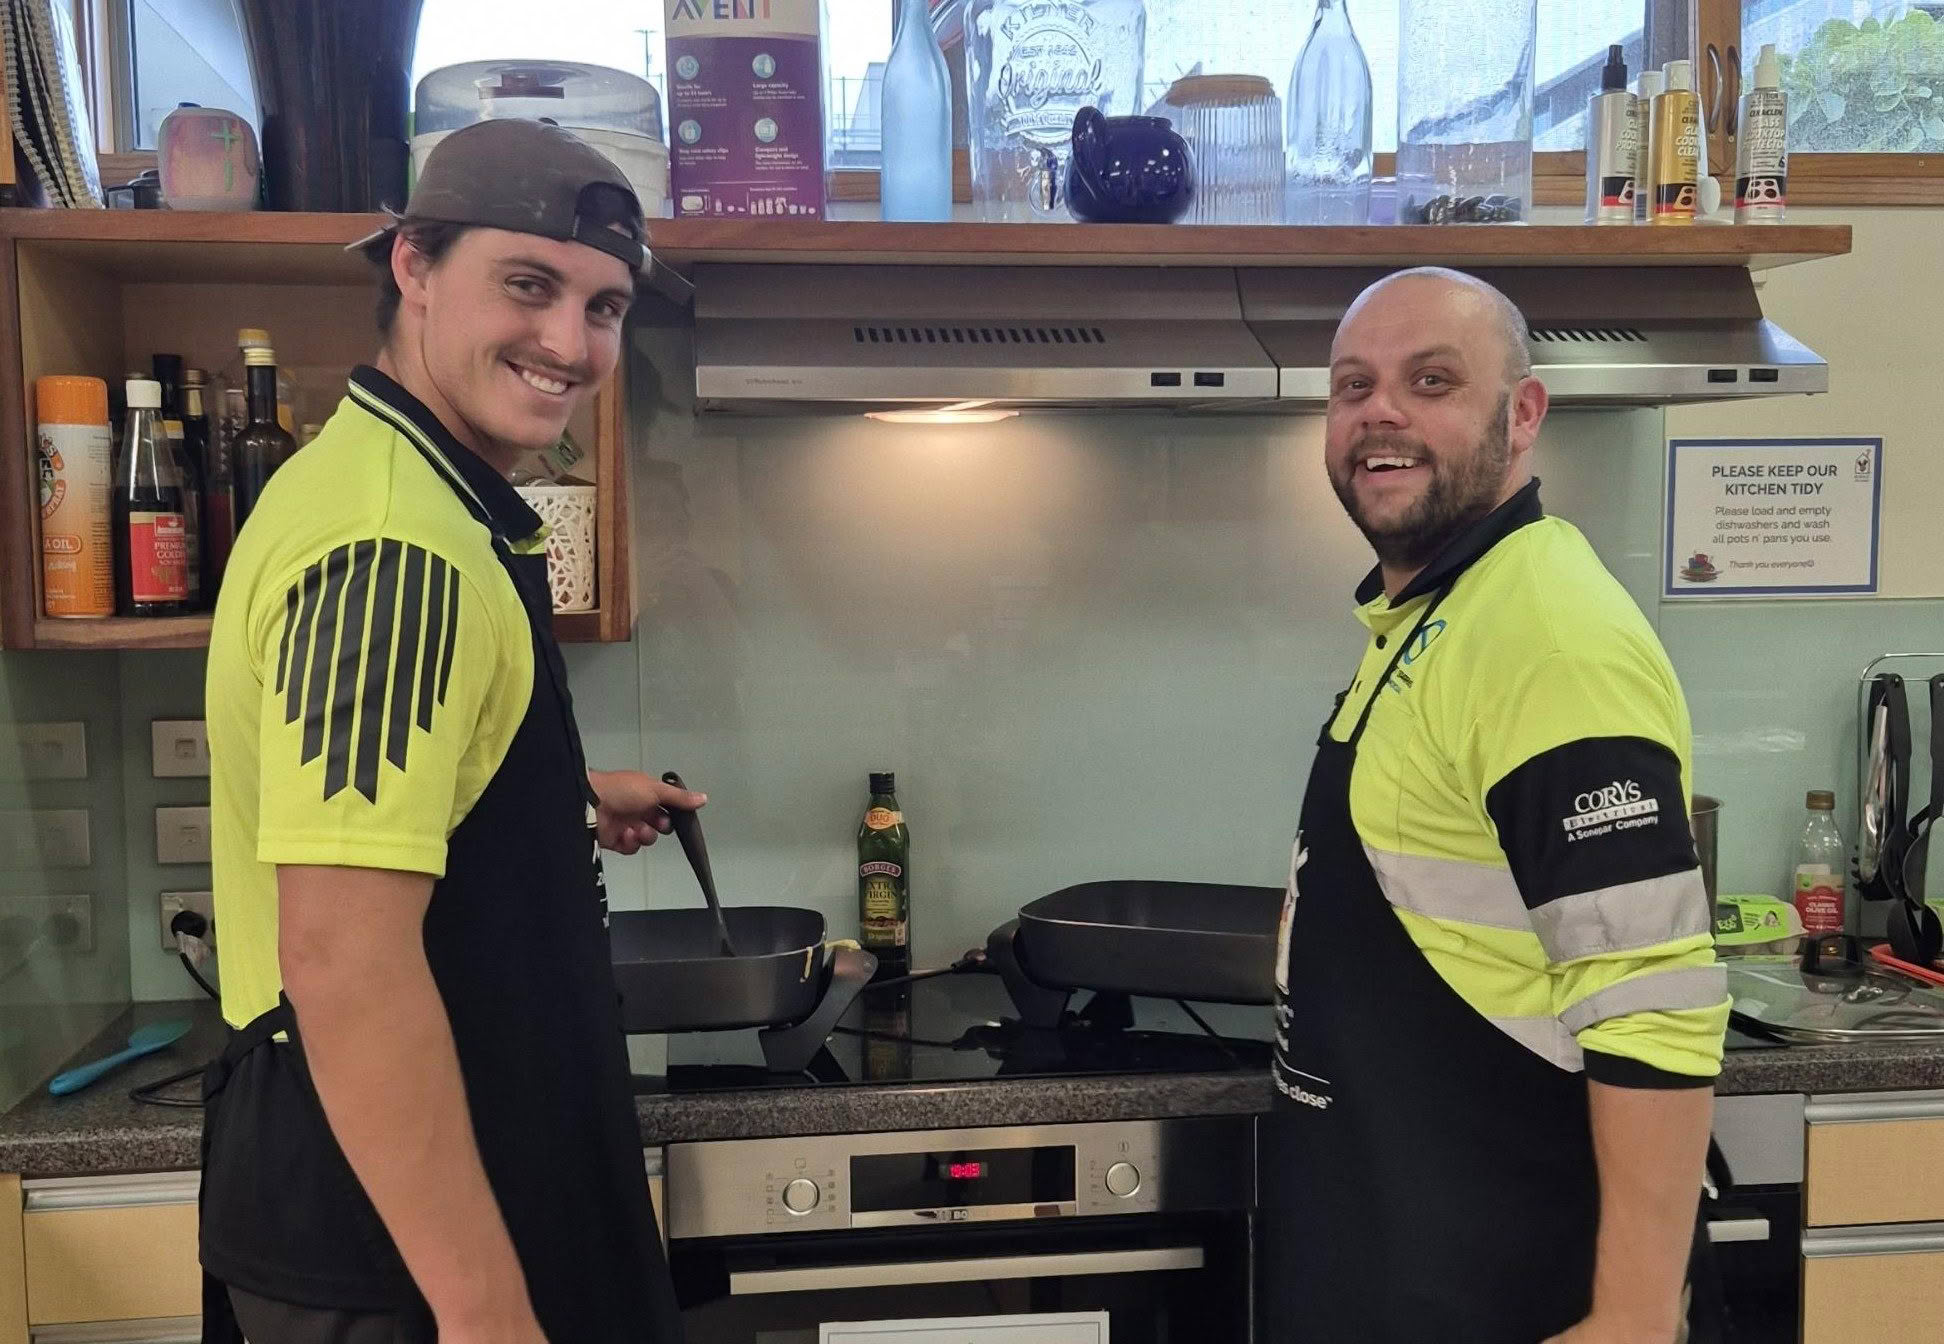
(1145, 1220)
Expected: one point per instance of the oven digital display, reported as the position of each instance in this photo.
(893, 1182)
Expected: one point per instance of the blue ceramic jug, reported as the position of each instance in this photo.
(1128, 170)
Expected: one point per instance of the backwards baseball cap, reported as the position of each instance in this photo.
(527, 177)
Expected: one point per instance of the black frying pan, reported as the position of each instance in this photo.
(1171, 940)
(722, 970)
(673, 976)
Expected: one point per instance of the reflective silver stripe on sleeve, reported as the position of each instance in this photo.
(1471, 893)
(1632, 915)
(1657, 992)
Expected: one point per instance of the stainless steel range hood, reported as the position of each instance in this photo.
(880, 337)
(858, 338)
(1649, 336)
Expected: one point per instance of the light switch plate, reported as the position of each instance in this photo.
(175, 902)
(33, 838)
(180, 749)
(182, 835)
(52, 750)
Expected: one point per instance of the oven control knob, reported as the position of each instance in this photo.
(1123, 1179)
(801, 1195)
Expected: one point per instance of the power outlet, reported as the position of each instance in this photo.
(33, 838)
(63, 923)
(175, 902)
(182, 835)
(49, 751)
(179, 749)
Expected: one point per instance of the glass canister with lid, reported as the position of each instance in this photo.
(1030, 66)
(1464, 110)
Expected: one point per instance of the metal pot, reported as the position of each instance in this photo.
(1704, 820)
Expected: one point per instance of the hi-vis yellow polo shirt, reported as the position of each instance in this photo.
(1521, 792)
(369, 665)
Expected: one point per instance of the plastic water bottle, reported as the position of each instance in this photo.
(1327, 147)
(1817, 871)
(916, 117)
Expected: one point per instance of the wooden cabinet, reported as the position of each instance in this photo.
(98, 292)
(113, 1248)
(1873, 1200)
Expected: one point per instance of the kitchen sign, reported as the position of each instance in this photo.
(1772, 517)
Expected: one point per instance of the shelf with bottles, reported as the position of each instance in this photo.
(683, 243)
(99, 292)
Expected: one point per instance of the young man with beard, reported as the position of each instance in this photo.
(423, 1125)
(1498, 1013)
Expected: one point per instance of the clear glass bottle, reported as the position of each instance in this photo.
(1326, 143)
(916, 117)
(1030, 65)
(264, 445)
(1816, 874)
(1464, 110)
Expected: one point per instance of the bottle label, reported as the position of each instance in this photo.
(883, 819)
(881, 907)
(158, 557)
(1819, 898)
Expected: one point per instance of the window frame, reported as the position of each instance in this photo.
(1814, 178)
(1559, 177)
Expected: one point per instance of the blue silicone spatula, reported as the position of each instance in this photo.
(142, 1041)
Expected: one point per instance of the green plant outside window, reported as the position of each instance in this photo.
(1871, 87)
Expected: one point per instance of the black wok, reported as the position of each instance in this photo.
(1172, 940)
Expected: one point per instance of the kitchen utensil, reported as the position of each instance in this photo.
(1202, 941)
(142, 1041)
(1233, 126)
(1876, 798)
(1887, 693)
(1885, 955)
(1916, 934)
(1126, 170)
(688, 829)
(1704, 824)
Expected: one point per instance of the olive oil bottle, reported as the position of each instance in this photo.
(884, 880)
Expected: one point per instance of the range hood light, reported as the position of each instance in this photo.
(961, 413)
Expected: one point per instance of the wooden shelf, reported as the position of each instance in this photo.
(123, 632)
(686, 242)
(192, 632)
(309, 248)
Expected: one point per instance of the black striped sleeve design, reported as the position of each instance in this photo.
(367, 648)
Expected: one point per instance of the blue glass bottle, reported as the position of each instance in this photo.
(916, 117)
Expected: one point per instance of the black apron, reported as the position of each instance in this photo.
(1424, 1176)
(516, 937)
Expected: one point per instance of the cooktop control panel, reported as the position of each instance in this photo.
(939, 1178)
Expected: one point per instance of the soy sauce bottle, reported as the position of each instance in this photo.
(151, 528)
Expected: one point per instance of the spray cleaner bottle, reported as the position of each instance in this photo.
(1676, 134)
(1612, 145)
(1647, 88)
(1762, 146)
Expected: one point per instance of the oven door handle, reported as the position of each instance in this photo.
(891, 1274)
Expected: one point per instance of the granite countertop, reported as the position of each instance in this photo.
(101, 1131)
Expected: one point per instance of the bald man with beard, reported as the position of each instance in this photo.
(1499, 1017)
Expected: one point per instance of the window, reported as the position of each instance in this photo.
(1863, 76)
(1264, 37)
(183, 51)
